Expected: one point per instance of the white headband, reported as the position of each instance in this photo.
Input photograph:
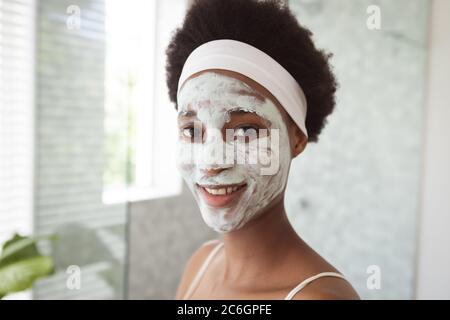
(245, 59)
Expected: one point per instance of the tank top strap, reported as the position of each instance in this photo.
(195, 282)
(307, 281)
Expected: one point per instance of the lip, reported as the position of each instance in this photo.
(219, 201)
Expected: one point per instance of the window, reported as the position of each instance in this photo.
(16, 119)
(16, 116)
(140, 122)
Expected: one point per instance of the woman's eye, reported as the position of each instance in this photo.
(188, 132)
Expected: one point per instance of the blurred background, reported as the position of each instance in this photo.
(91, 204)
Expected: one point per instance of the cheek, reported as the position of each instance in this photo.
(274, 160)
(186, 168)
(184, 159)
(187, 172)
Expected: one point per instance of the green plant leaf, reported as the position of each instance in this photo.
(18, 248)
(21, 264)
(21, 275)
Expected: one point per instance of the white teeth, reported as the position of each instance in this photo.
(222, 191)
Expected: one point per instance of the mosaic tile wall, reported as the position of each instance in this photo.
(354, 195)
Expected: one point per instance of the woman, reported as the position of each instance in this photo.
(251, 91)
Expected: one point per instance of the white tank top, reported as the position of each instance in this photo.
(196, 281)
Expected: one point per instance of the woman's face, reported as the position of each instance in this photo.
(234, 149)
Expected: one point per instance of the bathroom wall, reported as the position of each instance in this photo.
(163, 233)
(354, 196)
(433, 263)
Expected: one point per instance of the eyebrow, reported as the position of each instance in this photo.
(255, 94)
(238, 110)
(187, 113)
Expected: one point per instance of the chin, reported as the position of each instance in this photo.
(226, 220)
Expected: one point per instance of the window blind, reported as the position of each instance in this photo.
(16, 116)
(70, 153)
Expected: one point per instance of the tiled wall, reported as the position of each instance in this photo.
(354, 195)
(163, 233)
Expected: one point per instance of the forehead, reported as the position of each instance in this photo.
(220, 83)
(227, 90)
(208, 87)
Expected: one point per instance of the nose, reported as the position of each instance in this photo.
(211, 172)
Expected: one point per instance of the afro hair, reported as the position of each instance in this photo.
(270, 26)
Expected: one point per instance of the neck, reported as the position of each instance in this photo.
(261, 244)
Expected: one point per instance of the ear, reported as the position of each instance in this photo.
(298, 141)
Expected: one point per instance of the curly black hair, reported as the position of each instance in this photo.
(270, 26)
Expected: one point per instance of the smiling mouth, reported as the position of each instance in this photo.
(221, 195)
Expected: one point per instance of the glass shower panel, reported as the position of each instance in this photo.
(71, 149)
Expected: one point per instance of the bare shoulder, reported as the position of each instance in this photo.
(328, 288)
(193, 265)
(325, 287)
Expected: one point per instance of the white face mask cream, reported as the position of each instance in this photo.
(230, 194)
